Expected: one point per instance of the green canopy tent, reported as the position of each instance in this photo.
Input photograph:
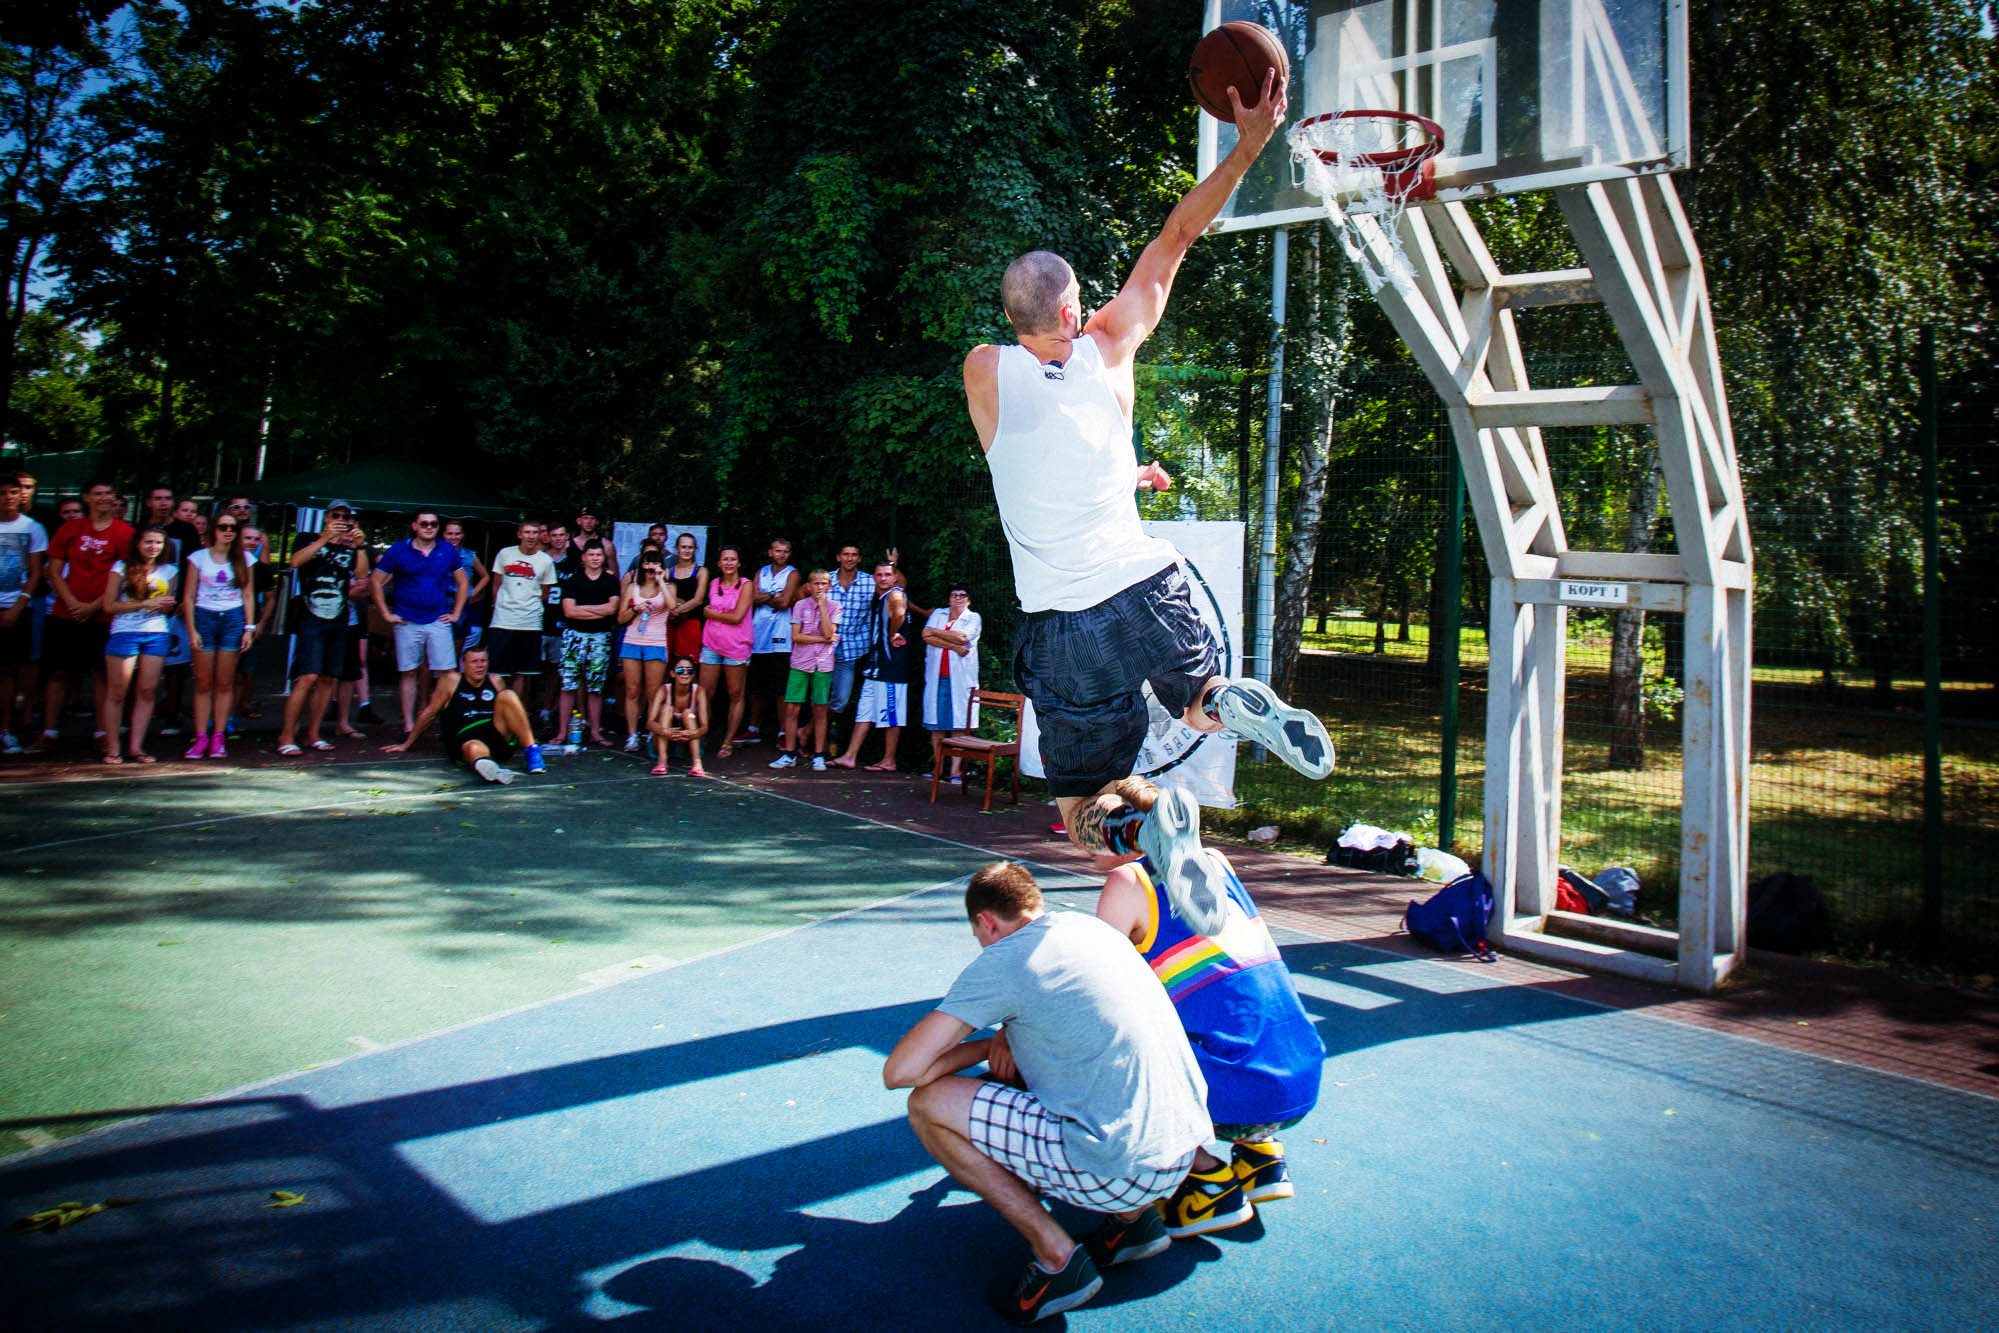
(385, 485)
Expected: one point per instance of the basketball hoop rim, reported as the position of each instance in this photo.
(1389, 161)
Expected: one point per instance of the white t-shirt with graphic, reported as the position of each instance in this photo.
(20, 537)
(215, 587)
(521, 579)
(161, 584)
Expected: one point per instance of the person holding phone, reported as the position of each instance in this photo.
(327, 567)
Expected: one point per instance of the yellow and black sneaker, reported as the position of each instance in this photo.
(1206, 1201)
(1040, 1293)
(1260, 1168)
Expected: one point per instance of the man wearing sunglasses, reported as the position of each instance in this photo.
(426, 590)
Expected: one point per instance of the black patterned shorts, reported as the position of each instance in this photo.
(1014, 1129)
(1086, 671)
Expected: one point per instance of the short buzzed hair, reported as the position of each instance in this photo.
(1003, 888)
(1032, 290)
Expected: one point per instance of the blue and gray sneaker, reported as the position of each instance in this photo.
(1195, 884)
(533, 753)
(1040, 1293)
(1253, 711)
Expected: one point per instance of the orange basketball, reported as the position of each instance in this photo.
(1235, 55)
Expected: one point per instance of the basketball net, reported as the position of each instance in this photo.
(1366, 166)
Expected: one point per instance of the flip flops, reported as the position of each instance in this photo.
(290, 751)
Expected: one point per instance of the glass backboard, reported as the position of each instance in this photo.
(1531, 94)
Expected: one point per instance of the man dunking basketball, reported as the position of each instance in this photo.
(1107, 607)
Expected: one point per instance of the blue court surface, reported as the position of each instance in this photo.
(710, 1147)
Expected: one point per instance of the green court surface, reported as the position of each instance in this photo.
(172, 937)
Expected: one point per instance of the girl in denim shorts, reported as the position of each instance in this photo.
(139, 598)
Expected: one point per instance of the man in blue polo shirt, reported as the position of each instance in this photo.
(426, 594)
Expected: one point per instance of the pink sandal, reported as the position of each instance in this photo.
(697, 772)
(659, 770)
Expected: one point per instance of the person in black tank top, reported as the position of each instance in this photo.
(481, 720)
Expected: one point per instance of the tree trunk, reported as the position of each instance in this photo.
(1627, 630)
(1300, 553)
(1315, 451)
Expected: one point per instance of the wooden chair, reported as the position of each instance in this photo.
(977, 749)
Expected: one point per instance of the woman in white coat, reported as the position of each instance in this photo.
(950, 673)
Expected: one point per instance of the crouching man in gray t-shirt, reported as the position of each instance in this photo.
(1114, 1105)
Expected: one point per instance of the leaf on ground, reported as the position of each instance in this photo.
(166, 944)
(285, 1199)
(62, 1215)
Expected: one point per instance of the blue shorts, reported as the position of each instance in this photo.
(138, 644)
(642, 652)
(220, 631)
(1086, 672)
(319, 647)
(709, 657)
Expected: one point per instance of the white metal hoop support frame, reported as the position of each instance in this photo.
(1456, 312)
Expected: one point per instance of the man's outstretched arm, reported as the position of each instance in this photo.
(1123, 324)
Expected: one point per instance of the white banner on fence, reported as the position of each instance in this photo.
(1175, 754)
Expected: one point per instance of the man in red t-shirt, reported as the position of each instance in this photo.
(79, 565)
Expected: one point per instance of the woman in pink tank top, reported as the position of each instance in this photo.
(726, 636)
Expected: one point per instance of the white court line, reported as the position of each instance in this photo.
(913, 832)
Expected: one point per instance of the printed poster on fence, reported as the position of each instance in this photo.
(1175, 755)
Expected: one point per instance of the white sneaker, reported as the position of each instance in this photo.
(786, 760)
(632, 743)
(492, 772)
(1252, 710)
(818, 763)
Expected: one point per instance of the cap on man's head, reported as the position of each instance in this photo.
(332, 505)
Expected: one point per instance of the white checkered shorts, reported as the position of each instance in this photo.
(1012, 1128)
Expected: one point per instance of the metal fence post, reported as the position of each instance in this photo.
(1453, 556)
(1932, 654)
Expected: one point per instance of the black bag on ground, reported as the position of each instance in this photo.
(1787, 914)
(1397, 860)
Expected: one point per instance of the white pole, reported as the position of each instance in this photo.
(1273, 427)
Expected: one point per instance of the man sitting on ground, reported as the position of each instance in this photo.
(1114, 1108)
(483, 720)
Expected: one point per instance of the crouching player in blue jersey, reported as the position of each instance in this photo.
(1257, 1049)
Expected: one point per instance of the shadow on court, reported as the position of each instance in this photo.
(710, 1146)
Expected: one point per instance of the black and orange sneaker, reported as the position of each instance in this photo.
(1206, 1201)
(1260, 1168)
(1120, 1242)
(1040, 1293)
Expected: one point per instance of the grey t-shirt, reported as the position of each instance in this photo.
(1096, 1039)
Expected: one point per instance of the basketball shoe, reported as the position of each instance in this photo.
(1260, 1168)
(1252, 710)
(1206, 1201)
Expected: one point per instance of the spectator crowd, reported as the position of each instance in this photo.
(155, 620)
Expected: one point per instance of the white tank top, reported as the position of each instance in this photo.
(1063, 468)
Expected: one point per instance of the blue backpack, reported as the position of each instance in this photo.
(1455, 917)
